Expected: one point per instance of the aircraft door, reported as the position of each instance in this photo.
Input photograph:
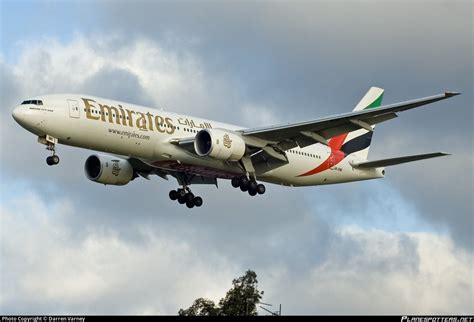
(73, 108)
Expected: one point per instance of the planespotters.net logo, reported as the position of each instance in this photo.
(437, 318)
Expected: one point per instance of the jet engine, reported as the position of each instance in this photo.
(219, 144)
(108, 169)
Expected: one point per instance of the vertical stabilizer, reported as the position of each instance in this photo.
(358, 142)
(373, 98)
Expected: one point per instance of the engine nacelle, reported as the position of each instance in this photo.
(108, 169)
(219, 144)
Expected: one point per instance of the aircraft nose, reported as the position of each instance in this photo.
(18, 114)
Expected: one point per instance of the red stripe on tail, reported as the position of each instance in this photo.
(334, 158)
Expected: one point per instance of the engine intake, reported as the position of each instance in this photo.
(219, 144)
(108, 169)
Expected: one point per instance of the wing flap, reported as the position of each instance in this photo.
(268, 159)
(398, 160)
(144, 170)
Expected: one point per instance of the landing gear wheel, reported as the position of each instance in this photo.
(197, 201)
(252, 192)
(252, 185)
(260, 189)
(244, 181)
(185, 196)
(181, 193)
(55, 159)
(189, 197)
(235, 182)
(244, 188)
(49, 161)
(173, 194)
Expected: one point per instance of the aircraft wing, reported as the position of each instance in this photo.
(319, 131)
(266, 144)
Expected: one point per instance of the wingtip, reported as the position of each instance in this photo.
(450, 94)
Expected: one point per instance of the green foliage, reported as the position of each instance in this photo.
(241, 299)
(201, 307)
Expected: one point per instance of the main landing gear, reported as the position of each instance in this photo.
(249, 185)
(185, 196)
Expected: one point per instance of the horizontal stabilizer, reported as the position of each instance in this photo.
(399, 160)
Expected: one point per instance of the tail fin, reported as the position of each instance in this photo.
(358, 142)
(373, 98)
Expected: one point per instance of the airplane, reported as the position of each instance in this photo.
(141, 141)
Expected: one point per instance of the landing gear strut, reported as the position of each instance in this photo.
(250, 185)
(185, 196)
(53, 159)
(50, 143)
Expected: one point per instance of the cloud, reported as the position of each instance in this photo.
(101, 272)
(255, 115)
(95, 272)
(382, 273)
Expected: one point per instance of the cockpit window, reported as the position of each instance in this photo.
(34, 102)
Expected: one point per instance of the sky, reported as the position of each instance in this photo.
(401, 245)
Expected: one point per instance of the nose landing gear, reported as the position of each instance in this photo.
(53, 159)
(50, 143)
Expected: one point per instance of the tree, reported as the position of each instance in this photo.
(201, 306)
(241, 299)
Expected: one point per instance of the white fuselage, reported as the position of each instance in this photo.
(145, 133)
